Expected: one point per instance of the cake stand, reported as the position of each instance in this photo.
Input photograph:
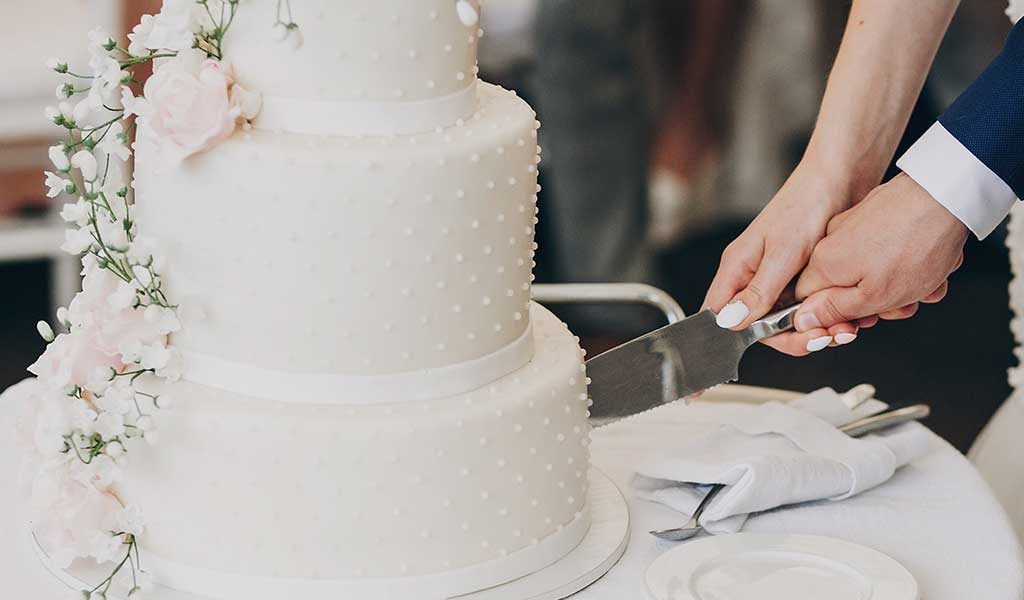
(602, 547)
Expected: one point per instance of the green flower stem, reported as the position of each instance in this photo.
(107, 583)
(138, 60)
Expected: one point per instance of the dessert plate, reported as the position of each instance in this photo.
(598, 552)
(766, 566)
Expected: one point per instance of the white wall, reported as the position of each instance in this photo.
(33, 31)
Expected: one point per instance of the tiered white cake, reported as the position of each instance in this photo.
(372, 406)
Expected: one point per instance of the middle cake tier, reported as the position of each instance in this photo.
(339, 255)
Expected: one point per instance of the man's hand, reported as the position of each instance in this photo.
(882, 257)
(769, 254)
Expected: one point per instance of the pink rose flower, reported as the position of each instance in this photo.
(106, 333)
(189, 107)
(71, 518)
(73, 357)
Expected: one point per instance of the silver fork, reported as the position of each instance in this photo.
(858, 428)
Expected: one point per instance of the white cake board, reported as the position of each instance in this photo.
(596, 555)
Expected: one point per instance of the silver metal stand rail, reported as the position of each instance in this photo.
(612, 293)
(609, 293)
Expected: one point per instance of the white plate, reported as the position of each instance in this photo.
(766, 566)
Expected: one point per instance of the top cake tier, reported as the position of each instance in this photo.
(359, 66)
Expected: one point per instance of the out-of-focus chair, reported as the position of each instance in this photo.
(999, 455)
(999, 450)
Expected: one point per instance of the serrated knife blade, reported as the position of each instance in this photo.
(674, 362)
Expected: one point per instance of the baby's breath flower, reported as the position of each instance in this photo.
(144, 423)
(53, 115)
(115, 142)
(110, 425)
(45, 331)
(76, 212)
(59, 158)
(63, 317)
(84, 161)
(57, 185)
(76, 241)
(57, 64)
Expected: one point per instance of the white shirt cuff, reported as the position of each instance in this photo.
(958, 180)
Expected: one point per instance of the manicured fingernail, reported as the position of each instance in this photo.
(806, 321)
(845, 338)
(819, 343)
(732, 315)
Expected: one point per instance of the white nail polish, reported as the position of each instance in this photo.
(732, 315)
(819, 343)
(845, 338)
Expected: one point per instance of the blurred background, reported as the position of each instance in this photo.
(667, 125)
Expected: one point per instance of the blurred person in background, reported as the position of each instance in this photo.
(593, 90)
(632, 94)
(613, 117)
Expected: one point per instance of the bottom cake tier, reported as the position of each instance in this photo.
(444, 497)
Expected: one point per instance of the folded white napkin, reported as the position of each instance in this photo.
(767, 455)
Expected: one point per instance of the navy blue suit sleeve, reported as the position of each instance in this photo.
(988, 118)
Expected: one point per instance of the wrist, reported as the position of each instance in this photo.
(843, 186)
(854, 163)
(946, 222)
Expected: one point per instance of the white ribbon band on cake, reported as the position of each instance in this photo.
(347, 389)
(216, 585)
(353, 117)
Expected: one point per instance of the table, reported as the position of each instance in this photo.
(936, 516)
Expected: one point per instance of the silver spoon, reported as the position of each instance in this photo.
(857, 428)
(693, 526)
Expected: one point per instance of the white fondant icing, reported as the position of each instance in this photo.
(354, 117)
(281, 245)
(218, 585)
(353, 50)
(332, 388)
(272, 489)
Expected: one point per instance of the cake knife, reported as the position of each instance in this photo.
(674, 362)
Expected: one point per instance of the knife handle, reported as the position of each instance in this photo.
(886, 419)
(773, 324)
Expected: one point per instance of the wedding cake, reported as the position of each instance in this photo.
(369, 404)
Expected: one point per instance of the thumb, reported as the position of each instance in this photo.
(832, 306)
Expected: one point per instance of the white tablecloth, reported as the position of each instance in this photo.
(936, 516)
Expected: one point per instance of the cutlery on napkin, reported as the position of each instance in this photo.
(768, 456)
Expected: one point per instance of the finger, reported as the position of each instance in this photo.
(843, 334)
(898, 314)
(832, 306)
(836, 221)
(937, 295)
(800, 344)
(867, 322)
(764, 289)
(735, 269)
(812, 279)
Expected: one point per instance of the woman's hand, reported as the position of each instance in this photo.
(891, 251)
(773, 250)
(858, 129)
